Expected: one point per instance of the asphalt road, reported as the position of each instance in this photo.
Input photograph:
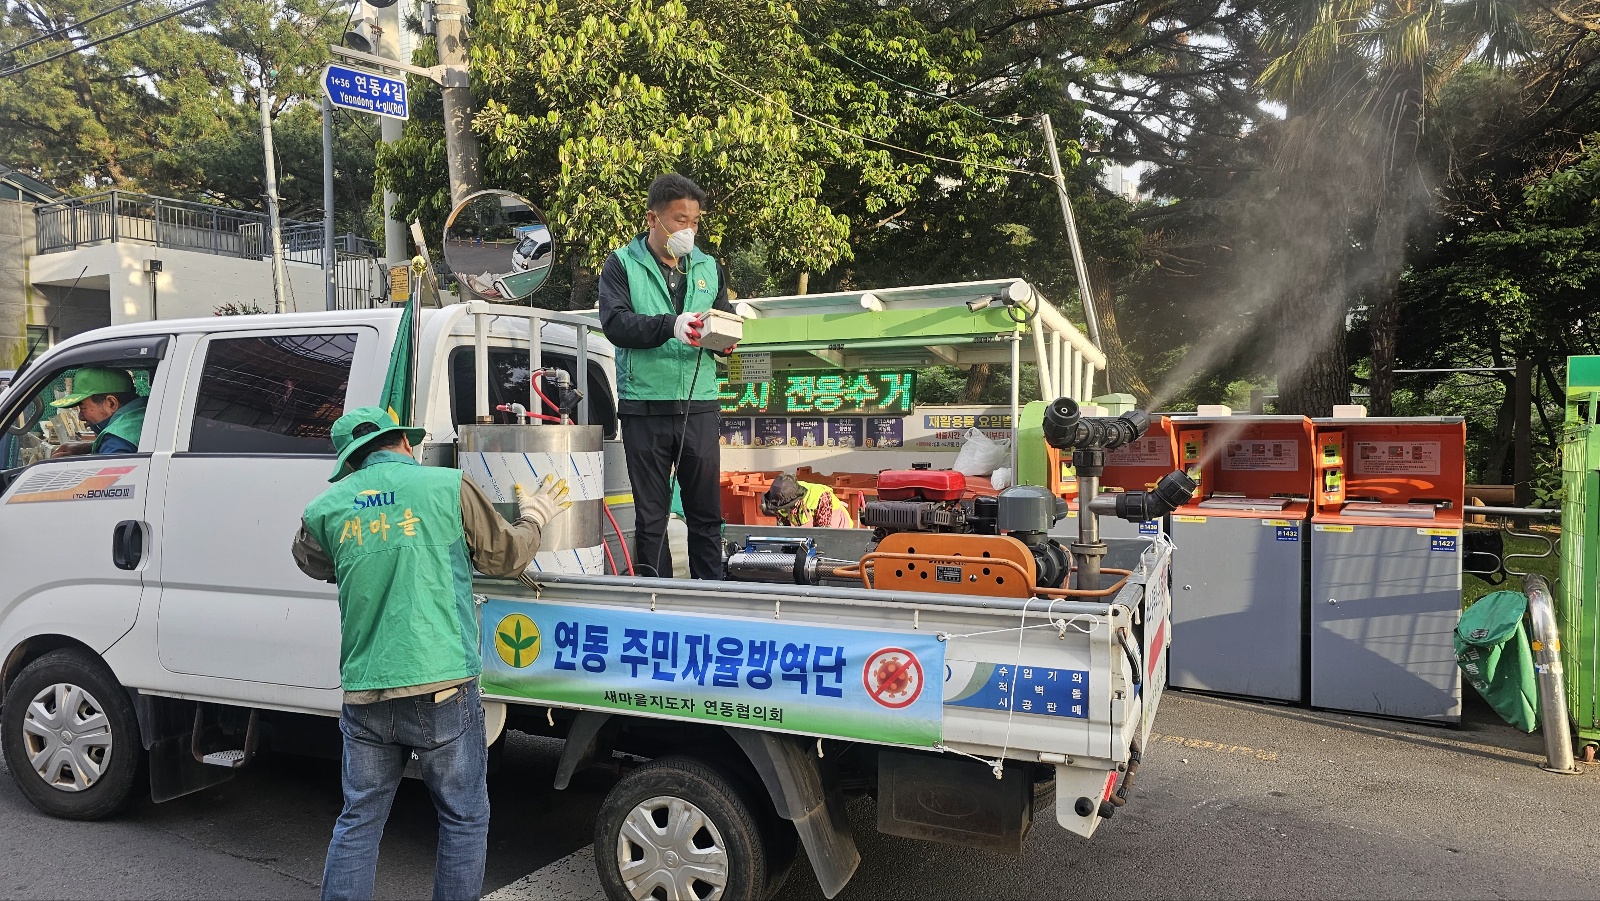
(1235, 800)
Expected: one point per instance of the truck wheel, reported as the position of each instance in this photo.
(70, 737)
(676, 830)
(782, 843)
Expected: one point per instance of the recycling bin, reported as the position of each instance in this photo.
(1238, 565)
(1386, 554)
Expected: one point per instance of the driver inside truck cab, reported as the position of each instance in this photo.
(108, 403)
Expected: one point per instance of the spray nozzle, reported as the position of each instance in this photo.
(1173, 491)
(1066, 429)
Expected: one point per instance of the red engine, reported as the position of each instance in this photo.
(917, 500)
(921, 484)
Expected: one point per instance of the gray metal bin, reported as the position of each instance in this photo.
(1385, 601)
(1237, 608)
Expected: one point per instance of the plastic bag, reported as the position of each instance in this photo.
(1000, 479)
(980, 454)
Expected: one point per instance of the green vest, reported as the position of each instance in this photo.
(127, 423)
(406, 615)
(666, 372)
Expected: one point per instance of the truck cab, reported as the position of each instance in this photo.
(166, 571)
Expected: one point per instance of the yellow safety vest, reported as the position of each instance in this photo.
(806, 511)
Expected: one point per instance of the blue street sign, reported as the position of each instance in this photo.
(366, 92)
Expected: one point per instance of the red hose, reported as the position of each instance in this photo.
(621, 542)
(610, 559)
(536, 377)
(506, 408)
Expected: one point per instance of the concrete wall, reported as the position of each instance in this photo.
(16, 244)
(190, 284)
(70, 311)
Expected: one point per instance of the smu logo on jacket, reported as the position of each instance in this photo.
(371, 498)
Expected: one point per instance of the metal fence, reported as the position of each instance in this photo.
(358, 280)
(124, 217)
(1486, 555)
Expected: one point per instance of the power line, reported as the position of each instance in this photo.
(59, 32)
(860, 137)
(138, 26)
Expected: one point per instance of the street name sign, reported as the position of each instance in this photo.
(366, 92)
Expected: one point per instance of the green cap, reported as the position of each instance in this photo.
(360, 427)
(88, 382)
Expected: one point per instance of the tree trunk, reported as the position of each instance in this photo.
(1399, 201)
(1122, 374)
(1312, 385)
(1306, 229)
(978, 378)
(1495, 471)
(1309, 358)
(584, 281)
(1389, 243)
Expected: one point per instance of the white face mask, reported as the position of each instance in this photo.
(680, 242)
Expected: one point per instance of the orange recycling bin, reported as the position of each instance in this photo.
(1239, 568)
(1385, 558)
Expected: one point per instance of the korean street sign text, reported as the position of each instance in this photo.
(366, 92)
(805, 393)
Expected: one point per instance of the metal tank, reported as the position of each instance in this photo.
(500, 456)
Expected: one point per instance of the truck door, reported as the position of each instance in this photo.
(252, 449)
(75, 543)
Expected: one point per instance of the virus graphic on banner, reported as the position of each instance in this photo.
(893, 677)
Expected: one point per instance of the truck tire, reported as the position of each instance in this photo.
(70, 737)
(782, 844)
(676, 830)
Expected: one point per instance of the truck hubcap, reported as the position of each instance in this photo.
(669, 850)
(67, 737)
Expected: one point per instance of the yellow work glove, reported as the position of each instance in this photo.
(545, 504)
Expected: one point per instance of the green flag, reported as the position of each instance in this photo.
(397, 385)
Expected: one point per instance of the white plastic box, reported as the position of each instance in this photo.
(722, 331)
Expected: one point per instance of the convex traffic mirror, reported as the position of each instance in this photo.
(499, 246)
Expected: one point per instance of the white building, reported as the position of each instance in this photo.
(117, 257)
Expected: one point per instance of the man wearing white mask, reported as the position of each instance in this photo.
(653, 295)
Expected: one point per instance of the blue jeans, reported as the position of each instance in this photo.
(379, 739)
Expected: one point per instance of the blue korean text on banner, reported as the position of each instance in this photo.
(846, 683)
(1035, 690)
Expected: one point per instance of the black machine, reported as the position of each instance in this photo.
(928, 501)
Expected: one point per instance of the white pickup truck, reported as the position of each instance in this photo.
(149, 607)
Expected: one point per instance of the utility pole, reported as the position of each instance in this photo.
(273, 223)
(330, 259)
(1522, 436)
(390, 130)
(1084, 293)
(461, 145)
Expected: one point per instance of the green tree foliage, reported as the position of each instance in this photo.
(583, 103)
(171, 109)
(1366, 76)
